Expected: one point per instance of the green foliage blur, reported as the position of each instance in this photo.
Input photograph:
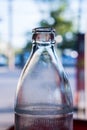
(58, 21)
(63, 26)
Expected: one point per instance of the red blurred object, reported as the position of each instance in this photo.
(80, 124)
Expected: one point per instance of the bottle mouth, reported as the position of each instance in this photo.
(43, 29)
(43, 35)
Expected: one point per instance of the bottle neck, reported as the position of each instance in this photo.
(43, 40)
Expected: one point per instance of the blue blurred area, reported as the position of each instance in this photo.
(3, 60)
(69, 57)
(20, 59)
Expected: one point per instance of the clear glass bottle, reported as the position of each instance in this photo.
(43, 98)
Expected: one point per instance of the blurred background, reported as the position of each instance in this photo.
(17, 19)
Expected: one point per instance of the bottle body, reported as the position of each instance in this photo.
(43, 98)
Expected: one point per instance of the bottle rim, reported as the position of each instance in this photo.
(43, 29)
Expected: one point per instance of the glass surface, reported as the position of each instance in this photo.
(43, 91)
